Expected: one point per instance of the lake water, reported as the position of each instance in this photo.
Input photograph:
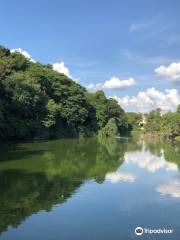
(89, 189)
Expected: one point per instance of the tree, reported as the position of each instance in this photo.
(110, 130)
(4, 51)
(170, 124)
(38, 102)
(178, 108)
(99, 101)
(153, 121)
(133, 119)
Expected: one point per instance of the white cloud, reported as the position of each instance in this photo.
(171, 188)
(150, 99)
(172, 72)
(94, 86)
(61, 68)
(116, 83)
(113, 83)
(118, 176)
(146, 160)
(24, 53)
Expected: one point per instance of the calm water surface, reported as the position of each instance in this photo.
(89, 189)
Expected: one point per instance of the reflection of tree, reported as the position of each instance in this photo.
(172, 154)
(50, 173)
(171, 150)
(23, 194)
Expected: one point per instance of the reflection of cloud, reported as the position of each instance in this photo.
(171, 188)
(145, 159)
(116, 177)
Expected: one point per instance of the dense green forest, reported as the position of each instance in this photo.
(38, 102)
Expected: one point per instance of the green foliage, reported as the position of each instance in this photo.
(38, 102)
(107, 109)
(113, 109)
(19, 62)
(177, 138)
(133, 119)
(4, 51)
(116, 112)
(99, 101)
(110, 130)
(170, 124)
(53, 110)
(178, 108)
(167, 125)
(153, 121)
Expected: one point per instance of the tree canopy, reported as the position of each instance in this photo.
(38, 102)
(167, 125)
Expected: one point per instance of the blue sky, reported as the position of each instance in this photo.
(101, 40)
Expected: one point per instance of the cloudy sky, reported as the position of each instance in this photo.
(130, 49)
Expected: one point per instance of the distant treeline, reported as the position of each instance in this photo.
(38, 102)
(155, 123)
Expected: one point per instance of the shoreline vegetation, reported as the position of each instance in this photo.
(163, 126)
(37, 102)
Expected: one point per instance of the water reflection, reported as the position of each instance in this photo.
(50, 173)
(37, 176)
(171, 188)
(115, 177)
(146, 160)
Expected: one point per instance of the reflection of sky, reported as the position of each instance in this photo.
(145, 159)
(148, 170)
(171, 188)
(118, 176)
